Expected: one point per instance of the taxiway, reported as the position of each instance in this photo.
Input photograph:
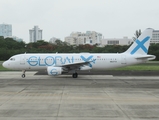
(88, 97)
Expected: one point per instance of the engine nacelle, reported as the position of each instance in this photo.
(54, 71)
(85, 68)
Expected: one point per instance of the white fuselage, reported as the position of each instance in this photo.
(98, 61)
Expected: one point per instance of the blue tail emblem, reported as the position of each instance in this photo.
(87, 59)
(141, 45)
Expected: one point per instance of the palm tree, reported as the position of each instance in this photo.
(137, 34)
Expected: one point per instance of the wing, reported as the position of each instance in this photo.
(75, 66)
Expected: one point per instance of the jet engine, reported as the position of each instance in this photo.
(85, 68)
(54, 71)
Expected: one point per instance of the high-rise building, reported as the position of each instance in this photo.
(5, 30)
(35, 34)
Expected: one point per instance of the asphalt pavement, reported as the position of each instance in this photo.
(88, 97)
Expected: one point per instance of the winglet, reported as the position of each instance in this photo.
(141, 45)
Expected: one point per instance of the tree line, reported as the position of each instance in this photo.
(10, 47)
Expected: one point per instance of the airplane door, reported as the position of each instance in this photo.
(123, 59)
(22, 60)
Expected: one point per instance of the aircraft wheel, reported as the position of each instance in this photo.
(75, 75)
(23, 75)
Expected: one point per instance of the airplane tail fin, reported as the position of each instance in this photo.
(141, 45)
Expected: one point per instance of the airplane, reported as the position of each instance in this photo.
(57, 64)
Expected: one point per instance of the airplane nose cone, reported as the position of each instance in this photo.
(4, 64)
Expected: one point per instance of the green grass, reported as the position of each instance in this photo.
(150, 65)
(139, 67)
(2, 68)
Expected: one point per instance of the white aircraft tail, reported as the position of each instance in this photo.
(141, 45)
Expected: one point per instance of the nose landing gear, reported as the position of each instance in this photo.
(75, 75)
(23, 75)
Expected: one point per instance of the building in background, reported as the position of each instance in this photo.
(116, 41)
(35, 34)
(155, 37)
(53, 39)
(5, 30)
(78, 38)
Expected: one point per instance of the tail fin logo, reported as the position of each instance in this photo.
(140, 45)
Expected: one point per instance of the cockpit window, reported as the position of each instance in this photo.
(12, 59)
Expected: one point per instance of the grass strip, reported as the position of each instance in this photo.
(139, 67)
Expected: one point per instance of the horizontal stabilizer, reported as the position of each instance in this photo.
(149, 57)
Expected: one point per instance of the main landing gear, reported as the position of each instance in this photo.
(75, 75)
(23, 75)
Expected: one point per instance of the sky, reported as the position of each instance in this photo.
(59, 18)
